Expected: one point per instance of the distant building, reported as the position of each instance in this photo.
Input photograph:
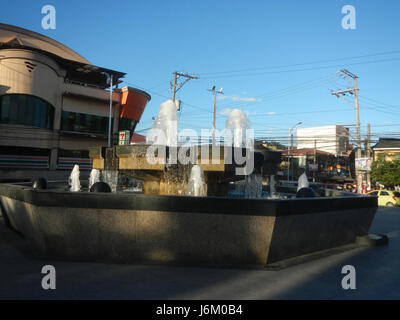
(387, 149)
(54, 103)
(332, 139)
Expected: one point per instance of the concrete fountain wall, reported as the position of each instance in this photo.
(173, 229)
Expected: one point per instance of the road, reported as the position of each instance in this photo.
(377, 275)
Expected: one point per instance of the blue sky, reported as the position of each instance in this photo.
(276, 60)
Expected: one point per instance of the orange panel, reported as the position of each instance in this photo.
(133, 102)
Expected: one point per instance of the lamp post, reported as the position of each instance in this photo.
(290, 146)
(110, 81)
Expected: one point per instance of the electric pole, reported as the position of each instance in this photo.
(354, 91)
(176, 86)
(368, 149)
(215, 106)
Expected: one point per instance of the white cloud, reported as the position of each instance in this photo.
(225, 112)
(240, 99)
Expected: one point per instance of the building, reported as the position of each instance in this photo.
(333, 139)
(387, 149)
(321, 165)
(54, 104)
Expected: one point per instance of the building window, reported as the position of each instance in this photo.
(85, 123)
(26, 110)
(127, 124)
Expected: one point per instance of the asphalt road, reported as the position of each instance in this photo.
(377, 275)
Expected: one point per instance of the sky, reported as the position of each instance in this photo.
(275, 60)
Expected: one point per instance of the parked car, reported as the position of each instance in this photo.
(386, 197)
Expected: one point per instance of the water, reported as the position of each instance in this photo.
(302, 182)
(196, 185)
(253, 186)
(111, 177)
(272, 189)
(94, 177)
(166, 122)
(238, 122)
(73, 181)
(176, 178)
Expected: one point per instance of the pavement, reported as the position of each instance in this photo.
(377, 275)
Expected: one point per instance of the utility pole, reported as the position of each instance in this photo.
(215, 107)
(340, 93)
(176, 86)
(368, 149)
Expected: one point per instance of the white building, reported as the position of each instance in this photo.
(333, 139)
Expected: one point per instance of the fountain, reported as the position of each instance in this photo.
(272, 185)
(94, 177)
(196, 185)
(238, 122)
(302, 182)
(253, 186)
(73, 181)
(184, 214)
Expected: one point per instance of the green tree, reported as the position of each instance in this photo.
(386, 172)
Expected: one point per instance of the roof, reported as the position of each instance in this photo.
(304, 152)
(77, 67)
(13, 35)
(137, 138)
(387, 143)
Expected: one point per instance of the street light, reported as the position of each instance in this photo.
(109, 81)
(290, 146)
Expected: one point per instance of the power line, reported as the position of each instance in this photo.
(305, 69)
(300, 64)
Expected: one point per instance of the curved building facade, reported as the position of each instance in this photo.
(54, 104)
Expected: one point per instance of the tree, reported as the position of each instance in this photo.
(386, 172)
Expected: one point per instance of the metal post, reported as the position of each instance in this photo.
(315, 158)
(288, 156)
(213, 132)
(110, 113)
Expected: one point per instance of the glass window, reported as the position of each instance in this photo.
(374, 193)
(384, 193)
(26, 110)
(86, 123)
(127, 124)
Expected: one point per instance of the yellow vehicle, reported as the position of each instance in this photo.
(386, 197)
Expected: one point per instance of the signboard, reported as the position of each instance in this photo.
(124, 138)
(363, 164)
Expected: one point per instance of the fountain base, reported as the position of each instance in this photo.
(119, 227)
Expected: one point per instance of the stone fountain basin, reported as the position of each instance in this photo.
(132, 228)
